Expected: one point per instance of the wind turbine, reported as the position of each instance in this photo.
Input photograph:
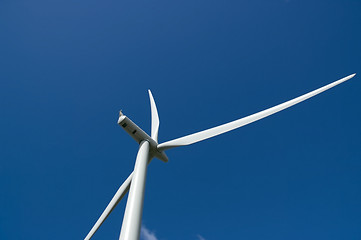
(149, 149)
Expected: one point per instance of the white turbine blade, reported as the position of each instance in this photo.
(155, 118)
(199, 136)
(123, 189)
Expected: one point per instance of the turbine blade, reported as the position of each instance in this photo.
(212, 132)
(123, 189)
(155, 117)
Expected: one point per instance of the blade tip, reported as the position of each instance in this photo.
(150, 94)
(348, 77)
(351, 76)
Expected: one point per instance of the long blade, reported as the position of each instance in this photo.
(200, 136)
(123, 189)
(155, 118)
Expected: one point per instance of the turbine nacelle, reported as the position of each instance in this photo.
(139, 136)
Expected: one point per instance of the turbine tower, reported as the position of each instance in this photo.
(149, 149)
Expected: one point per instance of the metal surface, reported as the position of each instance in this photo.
(134, 208)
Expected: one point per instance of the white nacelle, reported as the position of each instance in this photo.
(139, 135)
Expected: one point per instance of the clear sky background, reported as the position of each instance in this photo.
(67, 67)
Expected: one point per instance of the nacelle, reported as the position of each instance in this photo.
(139, 135)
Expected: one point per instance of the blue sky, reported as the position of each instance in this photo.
(67, 67)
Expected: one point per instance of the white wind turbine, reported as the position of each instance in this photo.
(149, 148)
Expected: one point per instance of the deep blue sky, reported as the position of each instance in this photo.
(67, 67)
